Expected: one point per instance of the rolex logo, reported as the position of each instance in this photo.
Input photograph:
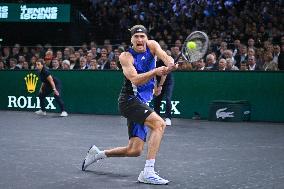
(31, 81)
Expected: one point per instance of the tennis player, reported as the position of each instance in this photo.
(139, 69)
(49, 85)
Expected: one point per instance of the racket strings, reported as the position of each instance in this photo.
(195, 54)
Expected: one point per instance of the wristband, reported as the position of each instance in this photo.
(54, 89)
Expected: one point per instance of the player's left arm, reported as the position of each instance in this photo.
(160, 53)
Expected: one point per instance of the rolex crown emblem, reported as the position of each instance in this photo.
(31, 81)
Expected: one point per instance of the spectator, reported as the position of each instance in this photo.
(252, 66)
(281, 58)
(123, 47)
(55, 64)
(251, 52)
(200, 65)
(236, 47)
(259, 57)
(230, 65)
(222, 65)
(83, 63)
(77, 55)
(2, 65)
(81, 52)
(103, 61)
(93, 44)
(211, 62)
(222, 22)
(113, 65)
(242, 57)
(222, 49)
(243, 66)
(276, 53)
(251, 44)
(178, 43)
(94, 64)
(25, 66)
(109, 51)
(6, 56)
(84, 47)
(117, 53)
(175, 51)
(229, 54)
(66, 53)
(33, 62)
(59, 55)
(94, 52)
(269, 64)
(66, 65)
(15, 51)
(74, 62)
(89, 58)
(39, 51)
(13, 63)
(266, 45)
(21, 61)
(48, 59)
(163, 45)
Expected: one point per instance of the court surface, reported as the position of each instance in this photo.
(47, 152)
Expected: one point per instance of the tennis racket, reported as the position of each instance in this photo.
(199, 45)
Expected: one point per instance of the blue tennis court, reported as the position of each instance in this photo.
(47, 152)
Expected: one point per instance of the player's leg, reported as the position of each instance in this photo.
(137, 137)
(142, 114)
(133, 149)
(157, 126)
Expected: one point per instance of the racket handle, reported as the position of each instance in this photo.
(176, 60)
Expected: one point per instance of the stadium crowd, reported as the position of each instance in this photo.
(244, 35)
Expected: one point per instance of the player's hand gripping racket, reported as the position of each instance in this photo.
(194, 47)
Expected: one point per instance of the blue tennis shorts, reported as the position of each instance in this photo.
(137, 130)
(136, 113)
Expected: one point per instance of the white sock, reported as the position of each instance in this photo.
(149, 165)
(101, 155)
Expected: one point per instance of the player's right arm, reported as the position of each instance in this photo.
(126, 60)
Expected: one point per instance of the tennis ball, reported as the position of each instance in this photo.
(191, 45)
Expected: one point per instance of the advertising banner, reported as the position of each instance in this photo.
(13, 12)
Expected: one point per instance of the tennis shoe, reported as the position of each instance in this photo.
(151, 177)
(168, 121)
(64, 114)
(40, 112)
(91, 157)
